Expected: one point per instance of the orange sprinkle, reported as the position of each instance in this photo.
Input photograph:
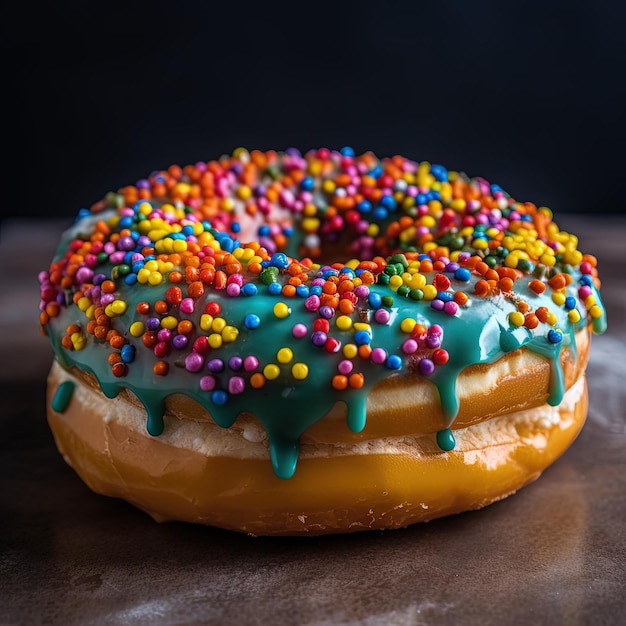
(537, 286)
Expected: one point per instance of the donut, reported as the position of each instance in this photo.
(288, 343)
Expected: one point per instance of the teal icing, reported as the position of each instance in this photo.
(446, 440)
(62, 396)
(286, 408)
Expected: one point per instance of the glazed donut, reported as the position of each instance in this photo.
(287, 343)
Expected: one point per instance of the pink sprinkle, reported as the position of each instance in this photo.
(312, 303)
(409, 346)
(207, 383)
(345, 367)
(378, 356)
(451, 308)
(250, 363)
(194, 362)
(382, 316)
(299, 331)
(233, 289)
(236, 385)
(187, 305)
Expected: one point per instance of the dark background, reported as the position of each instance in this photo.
(528, 95)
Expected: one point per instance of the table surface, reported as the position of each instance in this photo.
(555, 553)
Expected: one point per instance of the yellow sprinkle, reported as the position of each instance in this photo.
(271, 371)
(558, 298)
(142, 275)
(310, 224)
(206, 322)
(284, 355)
(79, 341)
(590, 301)
(228, 204)
(155, 278)
(516, 318)
(547, 258)
(395, 282)
(430, 292)
(407, 325)
(151, 266)
(362, 326)
(480, 244)
(373, 230)
(573, 316)
(215, 340)
(229, 334)
(169, 322)
(573, 257)
(551, 318)
(137, 329)
(350, 350)
(300, 371)
(343, 322)
(219, 323)
(595, 311)
(83, 303)
(328, 186)
(119, 307)
(244, 192)
(91, 312)
(179, 245)
(281, 310)
(458, 204)
(417, 281)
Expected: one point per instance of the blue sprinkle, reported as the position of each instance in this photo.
(249, 289)
(137, 265)
(187, 230)
(274, 289)
(316, 290)
(264, 230)
(389, 203)
(375, 300)
(135, 234)
(555, 336)
(376, 172)
(128, 257)
(307, 183)
(365, 206)
(570, 303)
(302, 291)
(586, 280)
(362, 337)
(130, 279)
(462, 274)
(279, 259)
(127, 353)
(380, 213)
(288, 231)
(219, 397)
(445, 296)
(422, 198)
(126, 222)
(394, 362)
(251, 321)
(347, 151)
(82, 213)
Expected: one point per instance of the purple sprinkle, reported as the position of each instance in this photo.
(107, 298)
(235, 363)
(426, 367)
(152, 323)
(361, 291)
(319, 338)
(180, 341)
(215, 365)
(345, 367)
(433, 341)
(437, 304)
(126, 243)
(326, 312)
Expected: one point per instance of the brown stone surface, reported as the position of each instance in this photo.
(555, 553)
